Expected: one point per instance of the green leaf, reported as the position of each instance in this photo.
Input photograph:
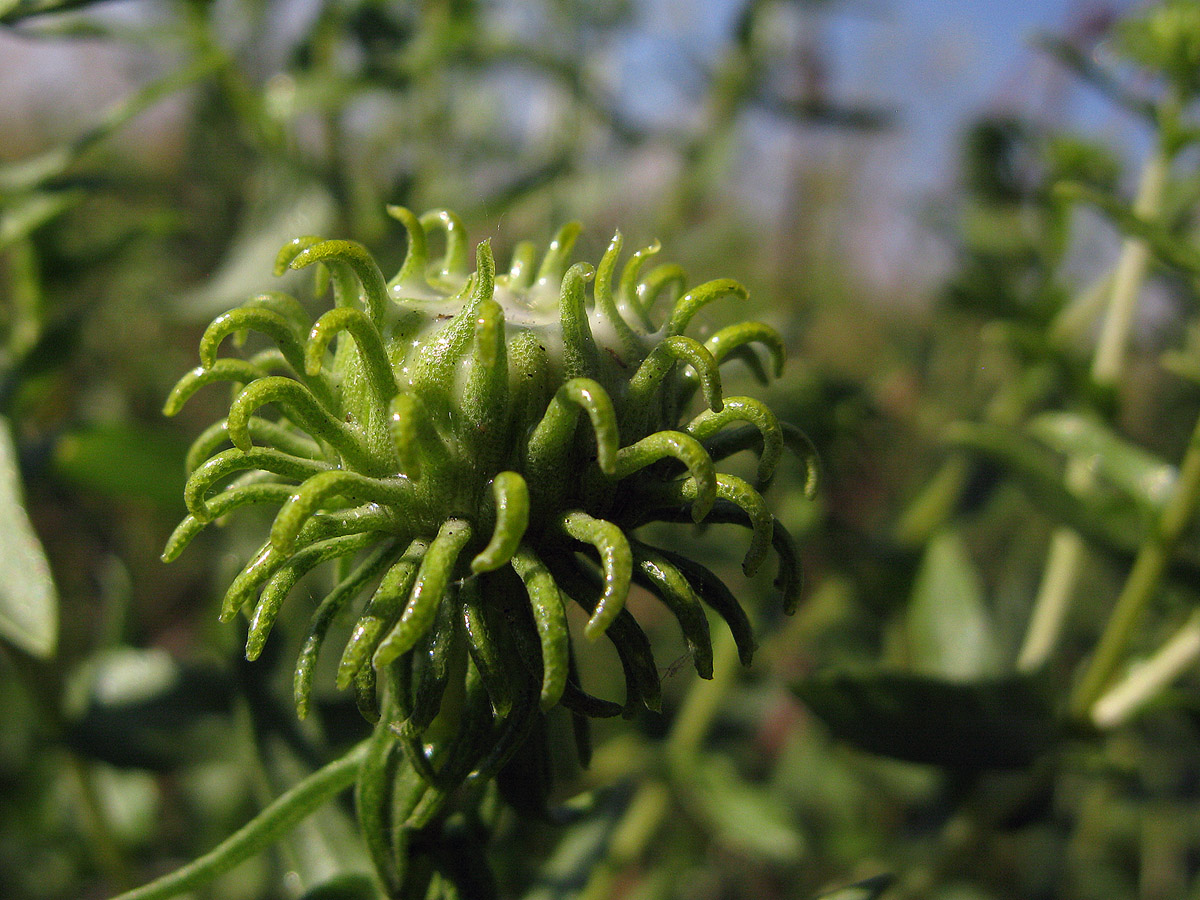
(28, 174)
(1185, 361)
(124, 462)
(12, 11)
(1136, 473)
(21, 327)
(1114, 524)
(141, 709)
(1084, 66)
(1165, 39)
(28, 601)
(31, 211)
(997, 723)
(948, 627)
(868, 889)
(745, 816)
(1170, 249)
(288, 208)
(349, 886)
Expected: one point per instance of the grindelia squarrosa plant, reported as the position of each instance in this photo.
(475, 451)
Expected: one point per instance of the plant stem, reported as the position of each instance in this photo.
(1058, 583)
(943, 492)
(701, 705)
(1129, 275)
(261, 831)
(1146, 680)
(106, 850)
(1066, 547)
(934, 504)
(652, 802)
(1143, 580)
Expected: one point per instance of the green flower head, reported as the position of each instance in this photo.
(477, 451)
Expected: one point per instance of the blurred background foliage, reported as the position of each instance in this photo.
(903, 735)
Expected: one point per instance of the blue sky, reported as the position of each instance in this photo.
(935, 64)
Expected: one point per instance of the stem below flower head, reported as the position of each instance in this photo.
(261, 831)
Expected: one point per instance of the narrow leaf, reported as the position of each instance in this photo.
(949, 629)
(1135, 472)
(996, 723)
(28, 601)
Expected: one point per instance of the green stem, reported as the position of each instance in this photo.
(934, 505)
(651, 804)
(1129, 275)
(701, 705)
(106, 850)
(1058, 582)
(261, 831)
(1146, 680)
(1066, 548)
(1143, 581)
(943, 492)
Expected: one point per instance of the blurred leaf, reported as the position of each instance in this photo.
(746, 816)
(130, 800)
(997, 723)
(868, 889)
(28, 174)
(1137, 473)
(12, 11)
(124, 462)
(26, 215)
(948, 626)
(289, 209)
(28, 601)
(1185, 361)
(1170, 249)
(21, 322)
(141, 709)
(1166, 40)
(1077, 158)
(1079, 61)
(997, 160)
(817, 111)
(350, 886)
(1114, 524)
(523, 184)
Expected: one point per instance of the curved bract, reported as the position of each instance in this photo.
(476, 450)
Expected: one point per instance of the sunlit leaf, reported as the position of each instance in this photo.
(1114, 524)
(948, 626)
(997, 723)
(28, 601)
